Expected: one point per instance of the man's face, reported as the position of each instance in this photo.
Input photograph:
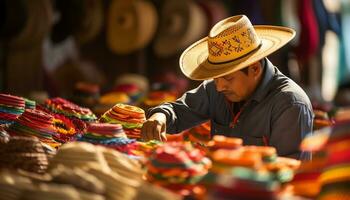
(239, 86)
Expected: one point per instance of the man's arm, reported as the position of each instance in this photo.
(288, 130)
(189, 110)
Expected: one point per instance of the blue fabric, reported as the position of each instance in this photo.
(322, 20)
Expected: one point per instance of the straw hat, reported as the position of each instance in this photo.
(233, 44)
(37, 25)
(182, 23)
(91, 21)
(215, 11)
(130, 25)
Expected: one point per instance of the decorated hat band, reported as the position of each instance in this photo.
(231, 40)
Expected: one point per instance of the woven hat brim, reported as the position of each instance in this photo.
(194, 60)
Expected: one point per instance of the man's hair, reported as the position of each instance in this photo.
(262, 63)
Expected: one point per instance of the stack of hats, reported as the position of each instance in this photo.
(342, 114)
(86, 94)
(335, 177)
(109, 135)
(120, 175)
(78, 154)
(77, 177)
(30, 186)
(150, 191)
(108, 100)
(223, 142)
(177, 166)
(135, 85)
(24, 153)
(12, 184)
(129, 78)
(225, 159)
(65, 128)
(54, 191)
(253, 172)
(200, 133)
(321, 120)
(146, 148)
(35, 123)
(10, 108)
(29, 104)
(123, 164)
(117, 187)
(132, 90)
(130, 117)
(247, 176)
(307, 175)
(155, 98)
(69, 109)
(104, 132)
(254, 157)
(244, 183)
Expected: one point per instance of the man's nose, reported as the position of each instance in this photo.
(220, 84)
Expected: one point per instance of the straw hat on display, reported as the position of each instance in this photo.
(215, 11)
(182, 22)
(130, 25)
(131, 78)
(37, 25)
(232, 44)
(91, 21)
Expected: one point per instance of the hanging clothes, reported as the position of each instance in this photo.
(309, 37)
(289, 17)
(345, 24)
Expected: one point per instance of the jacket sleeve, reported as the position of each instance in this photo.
(189, 110)
(288, 130)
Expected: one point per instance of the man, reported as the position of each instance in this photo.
(243, 94)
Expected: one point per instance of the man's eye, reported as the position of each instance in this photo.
(228, 78)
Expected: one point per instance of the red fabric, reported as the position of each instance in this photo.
(309, 37)
(339, 158)
(306, 176)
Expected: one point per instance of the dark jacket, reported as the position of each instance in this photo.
(278, 114)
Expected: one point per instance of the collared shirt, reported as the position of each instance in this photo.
(278, 113)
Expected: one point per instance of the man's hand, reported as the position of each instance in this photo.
(154, 128)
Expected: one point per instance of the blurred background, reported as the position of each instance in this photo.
(67, 47)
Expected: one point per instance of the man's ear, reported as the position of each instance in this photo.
(255, 69)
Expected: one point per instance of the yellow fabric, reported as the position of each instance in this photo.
(335, 175)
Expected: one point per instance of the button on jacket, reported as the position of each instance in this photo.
(278, 113)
